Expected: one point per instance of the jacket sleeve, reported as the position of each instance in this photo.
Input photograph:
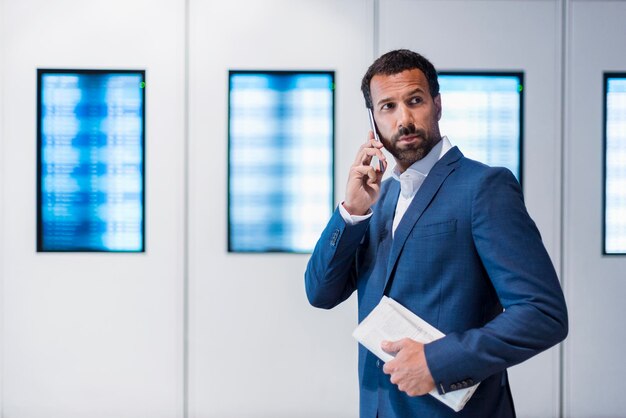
(517, 263)
(330, 276)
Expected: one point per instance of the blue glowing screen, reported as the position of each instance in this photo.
(281, 139)
(91, 160)
(615, 165)
(482, 115)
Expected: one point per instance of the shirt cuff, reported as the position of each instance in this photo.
(353, 219)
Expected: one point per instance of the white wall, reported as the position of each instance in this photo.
(595, 284)
(102, 335)
(97, 335)
(257, 349)
(2, 159)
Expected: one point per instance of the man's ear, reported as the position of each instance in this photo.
(437, 101)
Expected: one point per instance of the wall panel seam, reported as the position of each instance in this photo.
(376, 31)
(185, 394)
(565, 33)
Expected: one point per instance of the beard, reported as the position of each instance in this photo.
(407, 154)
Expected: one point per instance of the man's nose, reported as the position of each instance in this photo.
(406, 117)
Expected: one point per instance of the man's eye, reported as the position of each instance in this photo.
(387, 106)
(416, 100)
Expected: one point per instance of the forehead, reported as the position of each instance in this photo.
(386, 86)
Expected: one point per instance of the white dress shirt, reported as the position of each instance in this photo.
(410, 182)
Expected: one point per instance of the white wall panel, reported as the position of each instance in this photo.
(2, 159)
(595, 284)
(503, 35)
(257, 349)
(93, 335)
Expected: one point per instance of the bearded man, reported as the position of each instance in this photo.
(447, 237)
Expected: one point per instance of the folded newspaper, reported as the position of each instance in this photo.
(390, 321)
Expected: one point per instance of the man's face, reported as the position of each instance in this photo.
(406, 115)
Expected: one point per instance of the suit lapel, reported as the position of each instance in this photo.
(389, 209)
(438, 174)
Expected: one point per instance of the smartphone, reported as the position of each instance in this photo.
(377, 138)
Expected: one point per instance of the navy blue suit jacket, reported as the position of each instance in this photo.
(467, 258)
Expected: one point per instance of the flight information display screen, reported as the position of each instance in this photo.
(281, 139)
(483, 116)
(91, 135)
(615, 164)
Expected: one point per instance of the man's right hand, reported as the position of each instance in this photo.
(364, 180)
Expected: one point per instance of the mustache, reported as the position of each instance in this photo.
(410, 129)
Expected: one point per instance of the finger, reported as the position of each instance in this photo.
(395, 379)
(371, 143)
(359, 158)
(364, 156)
(392, 347)
(388, 368)
(414, 392)
(366, 172)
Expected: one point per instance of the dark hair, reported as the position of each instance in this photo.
(394, 62)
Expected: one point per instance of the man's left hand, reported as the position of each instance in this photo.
(408, 370)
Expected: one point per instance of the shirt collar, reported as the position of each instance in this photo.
(413, 177)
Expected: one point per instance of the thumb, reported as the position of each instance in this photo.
(391, 347)
(371, 174)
